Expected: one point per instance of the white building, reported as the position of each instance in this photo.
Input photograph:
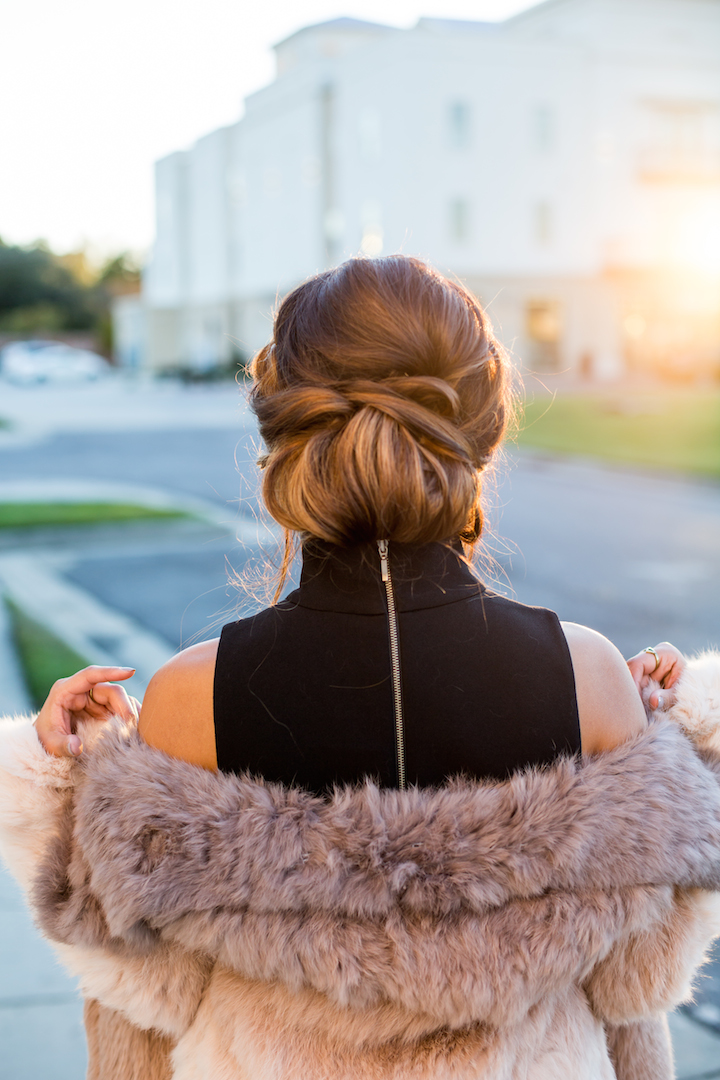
(564, 163)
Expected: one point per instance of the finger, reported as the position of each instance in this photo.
(661, 699)
(87, 679)
(111, 698)
(137, 707)
(672, 663)
(672, 677)
(641, 667)
(62, 745)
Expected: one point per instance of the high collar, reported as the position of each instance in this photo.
(349, 579)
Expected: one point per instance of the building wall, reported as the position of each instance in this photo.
(129, 331)
(565, 163)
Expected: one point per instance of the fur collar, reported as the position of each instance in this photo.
(465, 904)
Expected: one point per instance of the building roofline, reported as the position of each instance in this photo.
(342, 23)
(459, 24)
(537, 8)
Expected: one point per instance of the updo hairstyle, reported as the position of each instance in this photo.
(380, 398)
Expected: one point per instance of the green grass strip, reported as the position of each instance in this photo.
(44, 658)
(23, 515)
(673, 428)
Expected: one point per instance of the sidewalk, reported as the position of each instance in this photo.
(697, 1049)
(117, 403)
(41, 1028)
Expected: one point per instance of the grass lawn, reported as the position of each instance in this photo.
(20, 515)
(43, 657)
(666, 428)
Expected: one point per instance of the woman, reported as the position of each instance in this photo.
(424, 879)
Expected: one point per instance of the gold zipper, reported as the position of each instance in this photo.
(394, 661)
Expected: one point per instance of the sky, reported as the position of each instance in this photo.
(93, 93)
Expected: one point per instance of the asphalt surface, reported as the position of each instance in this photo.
(208, 463)
(633, 555)
(636, 556)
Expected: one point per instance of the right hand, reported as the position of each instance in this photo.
(87, 695)
(643, 669)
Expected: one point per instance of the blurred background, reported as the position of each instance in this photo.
(169, 169)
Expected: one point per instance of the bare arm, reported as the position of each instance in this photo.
(609, 705)
(177, 713)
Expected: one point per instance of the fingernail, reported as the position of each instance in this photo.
(74, 746)
(660, 701)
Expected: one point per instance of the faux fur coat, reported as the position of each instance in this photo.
(227, 928)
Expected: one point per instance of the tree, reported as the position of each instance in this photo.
(37, 291)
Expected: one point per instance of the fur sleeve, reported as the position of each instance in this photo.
(117, 1048)
(651, 971)
(642, 1050)
(34, 788)
(160, 991)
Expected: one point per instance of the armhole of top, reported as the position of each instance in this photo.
(565, 646)
(220, 695)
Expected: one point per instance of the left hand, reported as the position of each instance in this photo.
(644, 667)
(87, 695)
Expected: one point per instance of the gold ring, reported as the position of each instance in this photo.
(657, 658)
(90, 691)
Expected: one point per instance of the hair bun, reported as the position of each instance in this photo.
(426, 406)
(302, 409)
(380, 398)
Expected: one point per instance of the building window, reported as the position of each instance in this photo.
(459, 124)
(369, 134)
(543, 327)
(459, 220)
(544, 128)
(371, 243)
(680, 141)
(272, 181)
(236, 183)
(543, 223)
(334, 225)
(311, 171)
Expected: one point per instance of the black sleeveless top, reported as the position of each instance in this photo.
(304, 691)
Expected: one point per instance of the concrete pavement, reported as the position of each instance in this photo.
(41, 1028)
(117, 403)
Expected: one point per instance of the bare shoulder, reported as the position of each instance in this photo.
(609, 705)
(177, 713)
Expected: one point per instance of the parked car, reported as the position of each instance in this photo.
(28, 362)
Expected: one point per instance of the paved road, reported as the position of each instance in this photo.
(41, 1030)
(635, 556)
(196, 462)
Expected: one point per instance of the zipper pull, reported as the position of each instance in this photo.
(383, 549)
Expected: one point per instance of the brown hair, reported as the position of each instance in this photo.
(380, 399)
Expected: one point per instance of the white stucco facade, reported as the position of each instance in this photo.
(565, 164)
